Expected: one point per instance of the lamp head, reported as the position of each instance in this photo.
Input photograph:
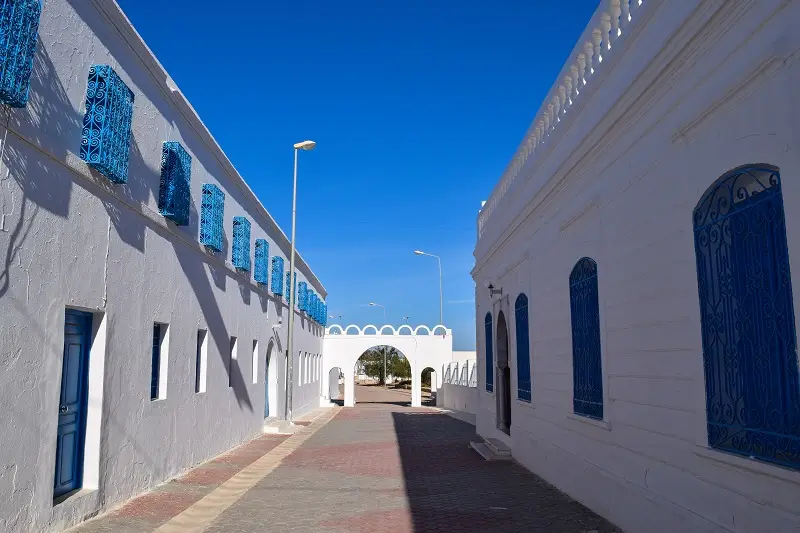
(305, 145)
(418, 252)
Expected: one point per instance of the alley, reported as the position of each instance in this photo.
(376, 467)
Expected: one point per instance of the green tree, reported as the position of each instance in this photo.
(372, 362)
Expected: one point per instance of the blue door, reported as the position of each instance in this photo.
(72, 402)
(266, 386)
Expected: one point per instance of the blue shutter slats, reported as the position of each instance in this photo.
(302, 293)
(212, 210)
(523, 349)
(240, 251)
(176, 174)
(277, 275)
(19, 29)
(106, 138)
(587, 370)
(261, 269)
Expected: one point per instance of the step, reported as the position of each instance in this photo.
(498, 447)
(280, 427)
(487, 453)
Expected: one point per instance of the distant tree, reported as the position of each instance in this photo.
(372, 362)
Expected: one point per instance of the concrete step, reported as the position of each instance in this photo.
(498, 447)
(486, 452)
(280, 427)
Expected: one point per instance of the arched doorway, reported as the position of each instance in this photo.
(383, 375)
(503, 397)
(335, 384)
(429, 386)
(270, 383)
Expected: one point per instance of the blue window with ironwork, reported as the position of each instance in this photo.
(240, 251)
(587, 368)
(747, 317)
(212, 210)
(19, 29)
(489, 355)
(277, 275)
(523, 349)
(325, 314)
(302, 293)
(173, 190)
(260, 272)
(106, 138)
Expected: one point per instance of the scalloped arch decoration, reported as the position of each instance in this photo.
(347, 330)
(368, 326)
(437, 328)
(423, 327)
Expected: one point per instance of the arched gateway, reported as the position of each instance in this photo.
(422, 346)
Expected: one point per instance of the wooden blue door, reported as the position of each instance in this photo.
(72, 402)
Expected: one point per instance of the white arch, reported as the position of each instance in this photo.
(380, 331)
(329, 331)
(364, 330)
(347, 329)
(436, 328)
(406, 326)
(423, 327)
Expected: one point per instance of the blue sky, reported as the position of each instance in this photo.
(417, 107)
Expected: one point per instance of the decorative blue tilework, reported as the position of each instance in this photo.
(212, 210)
(302, 294)
(173, 191)
(277, 275)
(19, 27)
(106, 138)
(240, 251)
(260, 272)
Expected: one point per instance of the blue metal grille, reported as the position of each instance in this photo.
(312, 313)
(587, 369)
(19, 27)
(523, 349)
(173, 191)
(260, 272)
(302, 293)
(212, 210)
(325, 314)
(106, 138)
(747, 316)
(240, 251)
(489, 357)
(155, 362)
(277, 275)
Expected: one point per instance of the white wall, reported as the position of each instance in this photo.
(691, 90)
(69, 238)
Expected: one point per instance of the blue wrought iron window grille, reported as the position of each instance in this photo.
(302, 294)
(173, 191)
(325, 315)
(261, 269)
(523, 349)
(277, 275)
(106, 139)
(19, 32)
(313, 307)
(289, 287)
(212, 211)
(587, 369)
(747, 317)
(240, 251)
(489, 354)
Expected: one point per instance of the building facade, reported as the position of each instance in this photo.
(143, 290)
(636, 330)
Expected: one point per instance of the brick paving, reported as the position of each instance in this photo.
(377, 467)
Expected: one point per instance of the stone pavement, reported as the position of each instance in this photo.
(380, 467)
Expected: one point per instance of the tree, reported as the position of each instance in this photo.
(373, 361)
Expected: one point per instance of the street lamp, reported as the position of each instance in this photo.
(305, 145)
(441, 301)
(405, 319)
(373, 304)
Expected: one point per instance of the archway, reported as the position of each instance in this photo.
(430, 385)
(335, 386)
(270, 383)
(503, 396)
(382, 375)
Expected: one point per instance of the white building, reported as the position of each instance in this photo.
(130, 351)
(650, 369)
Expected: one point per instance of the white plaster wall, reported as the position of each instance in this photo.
(69, 238)
(458, 398)
(695, 89)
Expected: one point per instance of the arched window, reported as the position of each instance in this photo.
(747, 317)
(587, 368)
(489, 358)
(523, 349)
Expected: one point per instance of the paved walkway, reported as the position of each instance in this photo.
(376, 467)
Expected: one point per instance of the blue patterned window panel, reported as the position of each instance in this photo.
(173, 191)
(277, 275)
(302, 294)
(106, 139)
(19, 28)
(747, 317)
(312, 303)
(261, 270)
(288, 286)
(523, 349)
(489, 354)
(587, 370)
(212, 211)
(240, 251)
(325, 314)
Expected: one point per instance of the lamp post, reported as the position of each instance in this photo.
(405, 319)
(441, 300)
(305, 145)
(373, 304)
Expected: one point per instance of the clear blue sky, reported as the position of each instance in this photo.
(417, 107)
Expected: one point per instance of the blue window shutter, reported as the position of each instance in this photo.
(325, 314)
(155, 362)
(489, 357)
(212, 210)
(747, 317)
(173, 191)
(302, 292)
(587, 369)
(106, 139)
(240, 251)
(19, 28)
(260, 272)
(277, 275)
(523, 349)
